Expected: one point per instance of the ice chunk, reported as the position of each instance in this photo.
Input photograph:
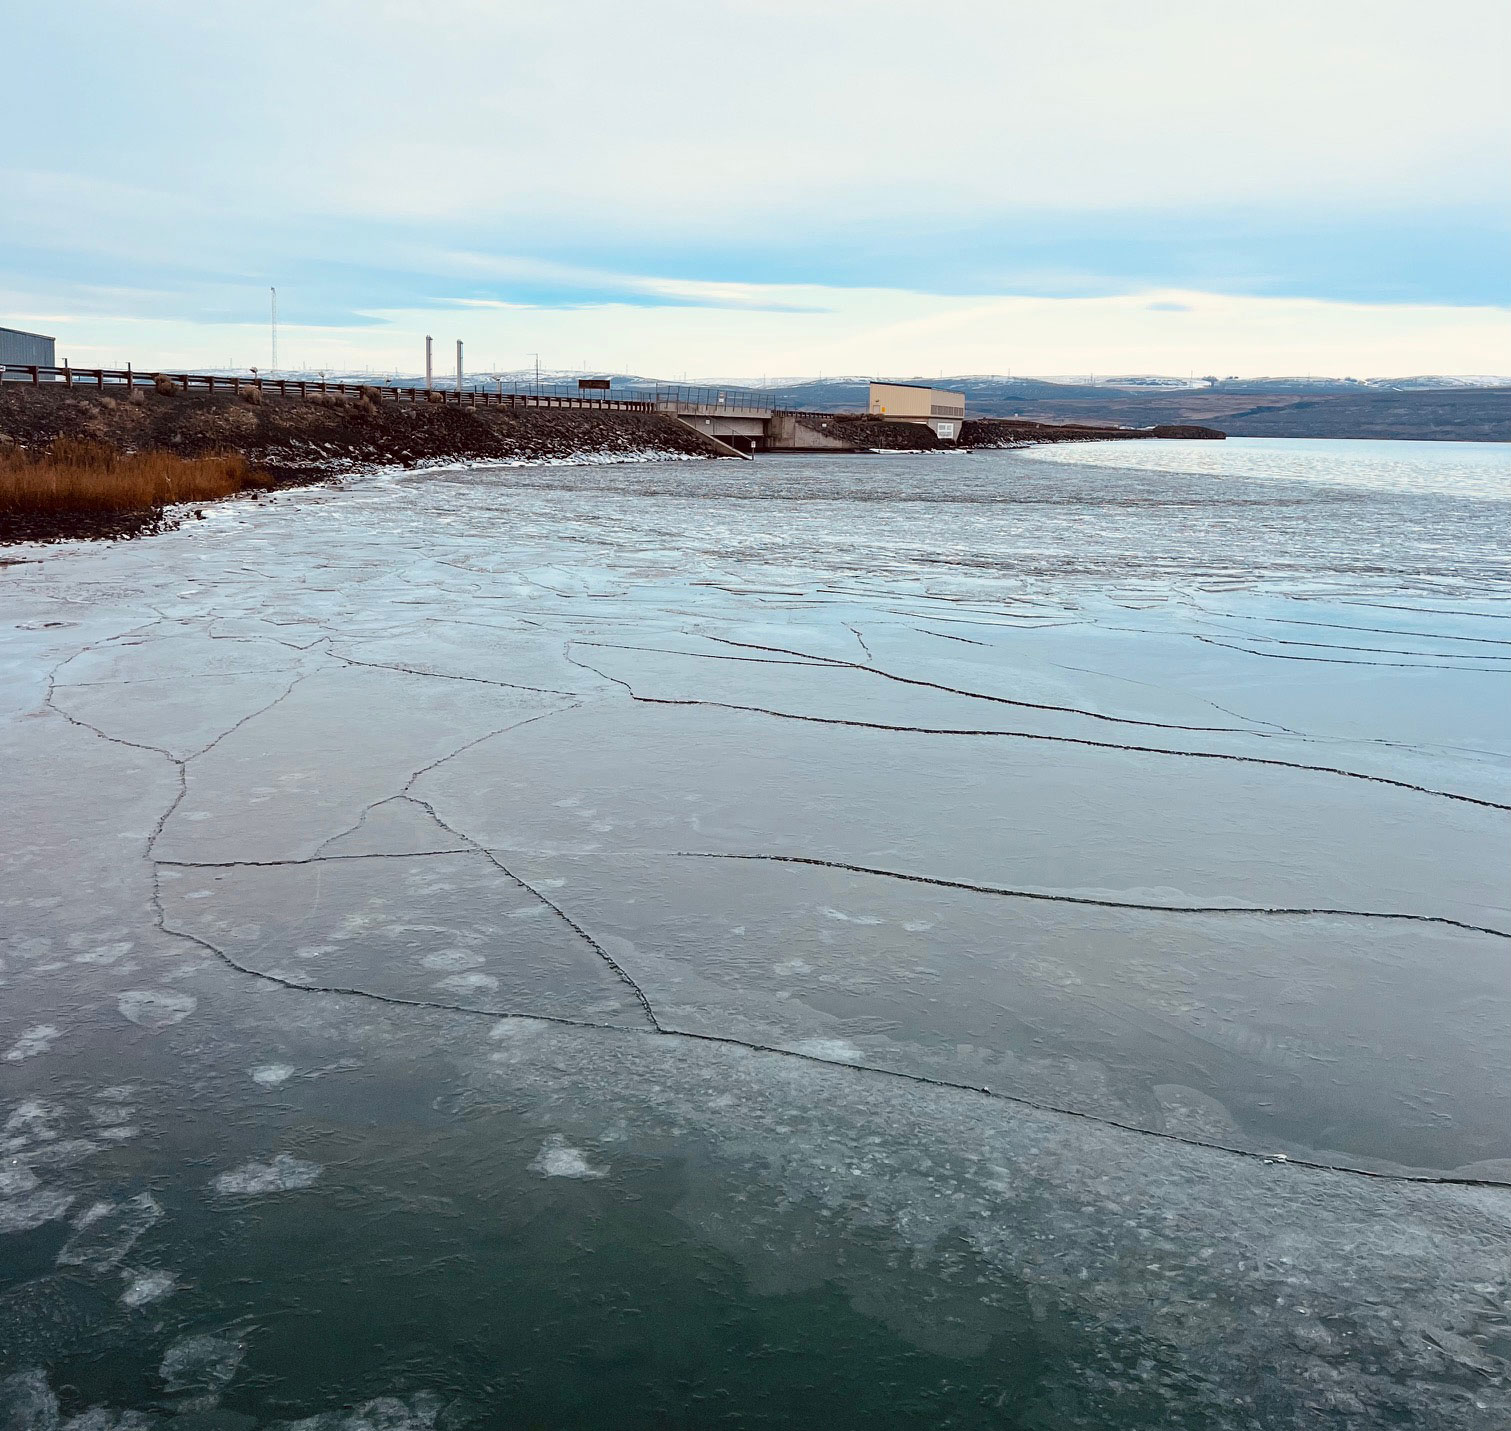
(284, 1173)
(831, 1050)
(27, 1403)
(270, 1075)
(37, 1039)
(203, 1364)
(156, 1008)
(31, 1209)
(145, 1287)
(557, 1160)
(106, 1232)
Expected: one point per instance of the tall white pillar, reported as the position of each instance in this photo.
(459, 365)
(429, 375)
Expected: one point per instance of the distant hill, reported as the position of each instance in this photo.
(1429, 407)
(1417, 408)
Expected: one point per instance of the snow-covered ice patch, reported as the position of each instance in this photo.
(37, 1039)
(105, 1232)
(285, 1173)
(468, 983)
(844, 918)
(28, 1402)
(270, 1075)
(557, 1160)
(452, 959)
(830, 1050)
(27, 1210)
(156, 1008)
(203, 1364)
(145, 1287)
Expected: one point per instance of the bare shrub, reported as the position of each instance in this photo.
(252, 395)
(76, 475)
(164, 384)
(135, 396)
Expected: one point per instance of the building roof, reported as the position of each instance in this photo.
(27, 333)
(917, 387)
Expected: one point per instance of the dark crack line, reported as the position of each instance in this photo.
(1342, 661)
(1375, 630)
(812, 661)
(359, 993)
(874, 1070)
(689, 701)
(1047, 898)
(855, 633)
(996, 700)
(468, 850)
(945, 636)
(1429, 610)
(1226, 628)
(470, 745)
(447, 675)
(551, 904)
(1237, 715)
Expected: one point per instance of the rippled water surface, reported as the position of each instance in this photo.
(995, 939)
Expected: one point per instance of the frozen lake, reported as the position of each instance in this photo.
(1002, 939)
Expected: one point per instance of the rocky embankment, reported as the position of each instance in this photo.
(311, 439)
(859, 432)
(1020, 432)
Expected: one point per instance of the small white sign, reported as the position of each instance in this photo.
(946, 429)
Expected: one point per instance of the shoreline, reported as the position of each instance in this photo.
(305, 441)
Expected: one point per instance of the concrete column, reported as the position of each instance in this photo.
(459, 365)
(429, 376)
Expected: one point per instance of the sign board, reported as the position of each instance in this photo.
(601, 385)
(945, 429)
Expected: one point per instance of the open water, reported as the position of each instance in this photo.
(988, 940)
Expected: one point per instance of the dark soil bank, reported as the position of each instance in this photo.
(303, 440)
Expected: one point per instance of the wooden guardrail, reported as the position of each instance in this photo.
(100, 378)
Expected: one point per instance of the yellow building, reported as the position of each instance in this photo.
(910, 402)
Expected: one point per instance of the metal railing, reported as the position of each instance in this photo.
(101, 378)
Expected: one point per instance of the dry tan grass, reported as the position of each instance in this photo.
(78, 476)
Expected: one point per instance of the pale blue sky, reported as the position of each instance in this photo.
(736, 189)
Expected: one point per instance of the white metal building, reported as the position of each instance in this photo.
(20, 347)
(911, 402)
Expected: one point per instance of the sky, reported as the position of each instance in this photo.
(749, 189)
